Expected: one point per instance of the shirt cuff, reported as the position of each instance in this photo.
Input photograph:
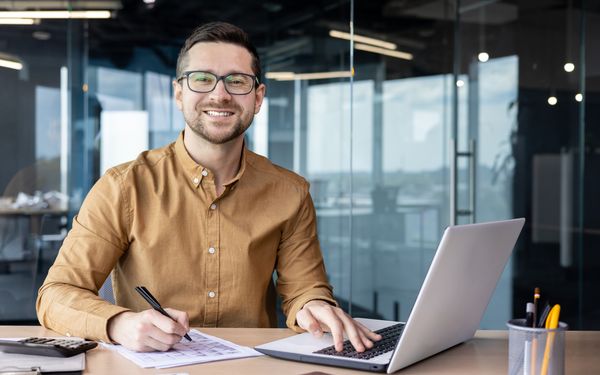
(298, 305)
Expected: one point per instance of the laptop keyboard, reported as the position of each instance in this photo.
(390, 336)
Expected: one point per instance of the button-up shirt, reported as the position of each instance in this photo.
(157, 222)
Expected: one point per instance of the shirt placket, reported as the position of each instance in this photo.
(212, 295)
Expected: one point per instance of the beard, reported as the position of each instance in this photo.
(199, 126)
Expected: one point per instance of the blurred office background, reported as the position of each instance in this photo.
(459, 111)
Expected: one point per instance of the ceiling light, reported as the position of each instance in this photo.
(17, 21)
(279, 75)
(552, 100)
(483, 56)
(57, 14)
(362, 39)
(383, 51)
(569, 67)
(291, 76)
(61, 4)
(10, 63)
(41, 35)
(578, 97)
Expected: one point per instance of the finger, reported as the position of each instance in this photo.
(370, 334)
(368, 343)
(164, 328)
(326, 315)
(155, 344)
(307, 321)
(355, 335)
(180, 316)
(166, 324)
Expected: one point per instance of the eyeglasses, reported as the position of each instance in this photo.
(235, 83)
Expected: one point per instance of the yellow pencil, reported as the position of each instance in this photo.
(551, 323)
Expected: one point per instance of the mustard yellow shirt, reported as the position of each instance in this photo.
(157, 222)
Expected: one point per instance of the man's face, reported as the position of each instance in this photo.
(218, 116)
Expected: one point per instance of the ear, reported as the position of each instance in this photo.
(177, 95)
(260, 95)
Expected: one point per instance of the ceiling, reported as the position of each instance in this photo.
(293, 35)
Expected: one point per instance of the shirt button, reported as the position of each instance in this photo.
(196, 180)
(213, 206)
(204, 173)
(211, 250)
(212, 294)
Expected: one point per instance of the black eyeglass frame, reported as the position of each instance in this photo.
(186, 75)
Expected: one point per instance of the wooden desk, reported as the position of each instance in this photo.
(487, 353)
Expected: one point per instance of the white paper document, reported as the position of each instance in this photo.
(203, 348)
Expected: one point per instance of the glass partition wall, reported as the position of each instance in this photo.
(405, 117)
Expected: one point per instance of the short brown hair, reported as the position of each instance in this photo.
(222, 32)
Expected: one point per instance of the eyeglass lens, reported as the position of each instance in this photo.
(236, 83)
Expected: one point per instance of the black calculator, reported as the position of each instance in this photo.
(47, 346)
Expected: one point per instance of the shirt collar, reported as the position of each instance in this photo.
(190, 166)
(194, 170)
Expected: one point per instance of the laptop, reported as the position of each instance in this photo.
(456, 291)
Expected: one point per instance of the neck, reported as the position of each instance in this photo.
(223, 160)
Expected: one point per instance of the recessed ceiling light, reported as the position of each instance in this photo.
(569, 67)
(41, 35)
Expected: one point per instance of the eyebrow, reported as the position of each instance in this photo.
(213, 72)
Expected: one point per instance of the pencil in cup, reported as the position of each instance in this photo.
(535, 340)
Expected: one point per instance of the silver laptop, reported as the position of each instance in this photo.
(456, 291)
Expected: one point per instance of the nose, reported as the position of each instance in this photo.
(220, 93)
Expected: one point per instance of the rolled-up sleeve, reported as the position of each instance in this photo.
(68, 301)
(301, 275)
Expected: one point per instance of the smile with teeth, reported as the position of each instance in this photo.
(219, 113)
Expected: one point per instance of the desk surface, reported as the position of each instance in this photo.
(487, 353)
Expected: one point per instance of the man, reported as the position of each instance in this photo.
(202, 223)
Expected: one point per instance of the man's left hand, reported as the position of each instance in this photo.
(318, 316)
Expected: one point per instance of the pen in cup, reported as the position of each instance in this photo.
(536, 297)
(551, 323)
(543, 316)
(529, 321)
(145, 293)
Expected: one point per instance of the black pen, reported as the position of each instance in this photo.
(544, 315)
(145, 293)
(529, 322)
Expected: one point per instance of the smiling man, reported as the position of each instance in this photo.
(202, 223)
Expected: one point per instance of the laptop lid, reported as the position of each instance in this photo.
(456, 291)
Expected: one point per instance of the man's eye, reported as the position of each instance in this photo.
(202, 78)
(233, 80)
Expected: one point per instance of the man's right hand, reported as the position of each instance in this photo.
(148, 330)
